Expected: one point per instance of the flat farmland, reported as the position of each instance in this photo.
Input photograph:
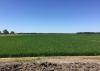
(49, 45)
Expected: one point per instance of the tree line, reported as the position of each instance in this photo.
(5, 31)
(88, 32)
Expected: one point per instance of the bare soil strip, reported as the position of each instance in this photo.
(56, 63)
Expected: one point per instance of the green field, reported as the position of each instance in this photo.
(49, 45)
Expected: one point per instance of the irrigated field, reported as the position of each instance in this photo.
(49, 45)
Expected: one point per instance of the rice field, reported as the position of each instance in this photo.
(49, 45)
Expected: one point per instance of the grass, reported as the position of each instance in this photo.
(49, 45)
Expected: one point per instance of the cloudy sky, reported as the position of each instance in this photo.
(60, 16)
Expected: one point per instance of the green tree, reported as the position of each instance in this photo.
(0, 32)
(12, 32)
(5, 31)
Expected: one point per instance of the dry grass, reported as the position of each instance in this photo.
(55, 59)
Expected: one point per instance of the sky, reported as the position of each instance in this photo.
(50, 16)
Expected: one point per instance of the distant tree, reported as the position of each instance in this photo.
(0, 32)
(12, 32)
(5, 31)
(87, 33)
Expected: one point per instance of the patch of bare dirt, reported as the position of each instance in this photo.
(74, 63)
(45, 66)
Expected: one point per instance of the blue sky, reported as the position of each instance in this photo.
(60, 16)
